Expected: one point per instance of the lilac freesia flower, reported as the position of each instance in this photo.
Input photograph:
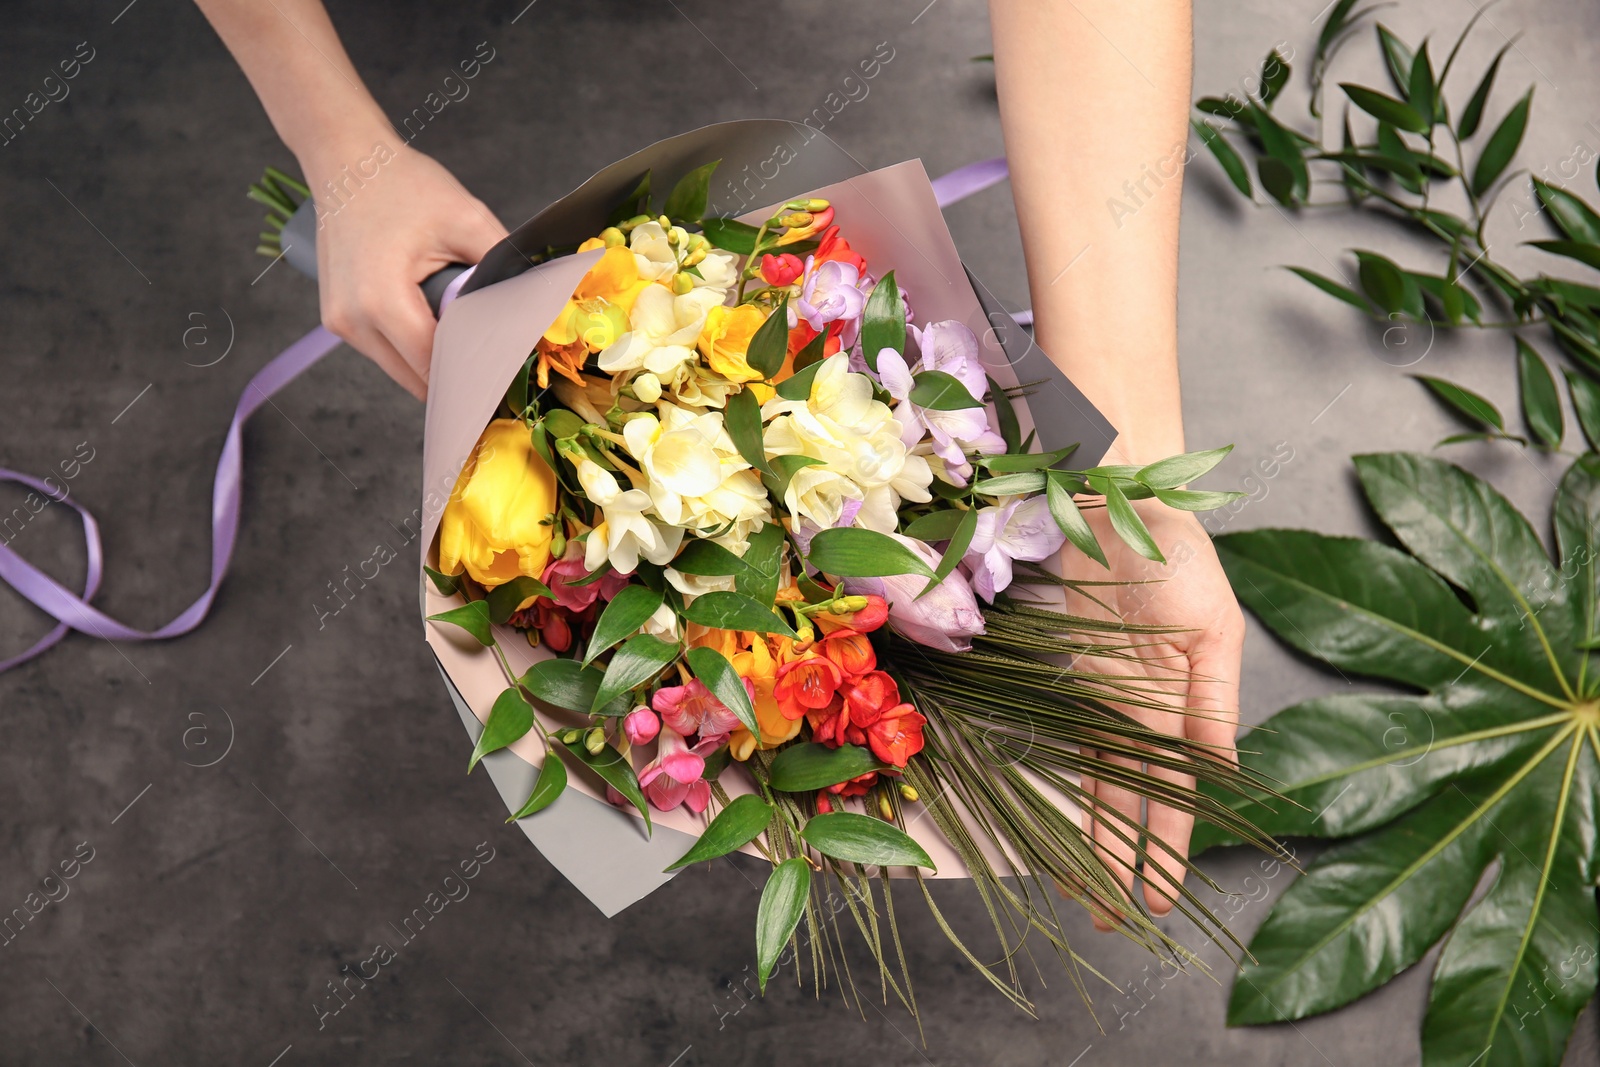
(1020, 529)
(952, 348)
(831, 292)
(947, 618)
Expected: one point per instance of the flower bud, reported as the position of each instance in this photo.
(885, 808)
(824, 804)
(613, 237)
(571, 737)
(907, 793)
(630, 224)
(695, 257)
(847, 605)
(795, 220)
(595, 741)
(666, 223)
(682, 283)
(677, 236)
(647, 387)
(815, 204)
(641, 725)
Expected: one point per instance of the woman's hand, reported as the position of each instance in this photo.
(378, 238)
(1194, 668)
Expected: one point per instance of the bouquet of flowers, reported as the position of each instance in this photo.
(758, 544)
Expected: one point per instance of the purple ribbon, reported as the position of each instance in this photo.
(72, 611)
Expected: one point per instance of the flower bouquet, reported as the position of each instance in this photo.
(745, 529)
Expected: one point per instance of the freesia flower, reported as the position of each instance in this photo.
(834, 247)
(831, 293)
(614, 282)
(694, 474)
(626, 532)
(947, 618)
(641, 726)
(1021, 528)
(781, 269)
(726, 338)
(897, 734)
(495, 523)
(759, 670)
(674, 776)
(806, 684)
(663, 327)
(952, 348)
(817, 222)
(691, 709)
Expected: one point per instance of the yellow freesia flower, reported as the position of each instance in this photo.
(612, 283)
(725, 339)
(493, 524)
(759, 666)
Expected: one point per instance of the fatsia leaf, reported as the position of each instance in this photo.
(1464, 402)
(1231, 164)
(738, 824)
(1502, 145)
(783, 901)
(1541, 404)
(1496, 765)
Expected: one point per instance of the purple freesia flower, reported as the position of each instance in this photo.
(952, 348)
(1022, 528)
(831, 292)
(947, 618)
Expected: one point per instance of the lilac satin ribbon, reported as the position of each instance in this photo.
(73, 611)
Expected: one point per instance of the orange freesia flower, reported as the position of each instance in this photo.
(806, 684)
(565, 360)
(598, 310)
(760, 669)
(725, 339)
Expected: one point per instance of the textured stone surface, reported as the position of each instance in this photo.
(218, 907)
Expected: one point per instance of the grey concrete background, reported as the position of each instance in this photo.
(220, 904)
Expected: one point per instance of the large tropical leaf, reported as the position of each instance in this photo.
(1490, 774)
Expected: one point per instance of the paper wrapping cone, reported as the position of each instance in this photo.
(892, 218)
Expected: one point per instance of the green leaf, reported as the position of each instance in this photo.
(1397, 57)
(1494, 765)
(741, 822)
(940, 391)
(708, 559)
(783, 901)
(615, 770)
(770, 343)
(1396, 113)
(808, 358)
(472, 617)
(1583, 252)
(798, 385)
(1127, 524)
(566, 683)
(551, 784)
(763, 561)
(1386, 284)
(1174, 471)
(1571, 217)
(635, 203)
(687, 201)
(741, 417)
(959, 543)
(634, 664)
(1274, 76)
(730, 235)
(1586, 404)
(1464, 402)
(627, 612)
(883, 323)
(1541, 404)
(1005, 417)
(1280, 145)
(509, 718)
(1333, 288)
(1502, 145)
(504, 600)
(1025, 461)
(1065, 511)
(1194, 500)
(1010, 484)
(848, 552)
(784, 468)
(735, 611)
(1472, 114)
(1420, 87)
(936, 525)
(1231, 164)
(447, 584)
(718, 676)
(807, 767)
(853, 838)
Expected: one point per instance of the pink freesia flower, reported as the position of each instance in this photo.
(570, 568)
(947, 618)
(690, 709)
(1020, 529)
(641, 725)
(952, 348)
(831, 292)
(673, 777)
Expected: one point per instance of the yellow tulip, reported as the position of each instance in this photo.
(725, 339)
(759, 666)
(494, 523)
(598, 309)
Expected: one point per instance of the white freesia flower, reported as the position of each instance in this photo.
(663, 624)
(652, 252)
(663, 331)
(693, 585)
(625, 533)
(858, 442)
(719, 270)
(693, 473)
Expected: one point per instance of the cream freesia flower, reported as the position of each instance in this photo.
(625, 533)
(664, 329)
(693, 473)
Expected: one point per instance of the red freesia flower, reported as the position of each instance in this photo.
(781, 269)
(870, 697)
(850, 651)
(807, 684)
(855, 787)
(834, 247)
(897, 735)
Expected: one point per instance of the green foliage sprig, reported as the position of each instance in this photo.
(1418, 149)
